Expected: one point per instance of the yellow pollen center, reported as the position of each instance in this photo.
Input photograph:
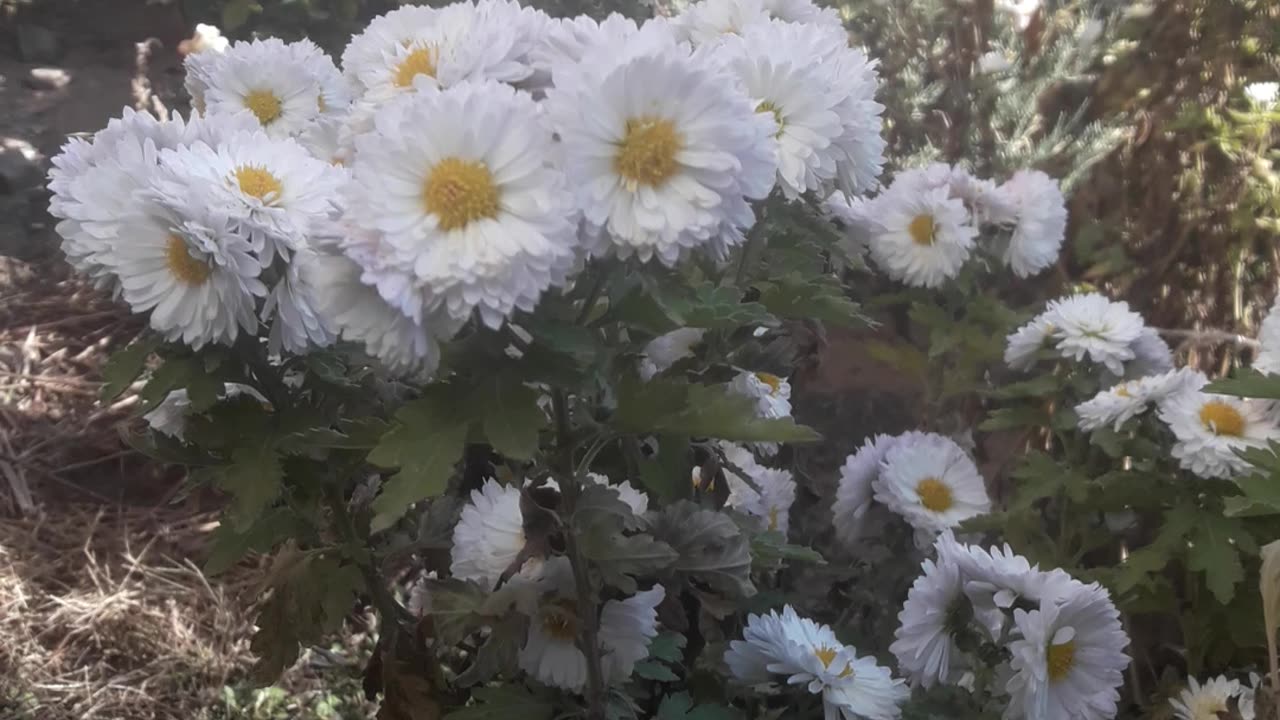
(923, 230)
(1123, 391)
(1220, 418)
(258, 182)
(826, 655)
(934, 494)
(1061, 659)
(187, 269)
(264, 104)
(773, 381)
(421, 61)
(769, 107)
(773, 518)
(459, 192)
(560, 621)
(647, 153)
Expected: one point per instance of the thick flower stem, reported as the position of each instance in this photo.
(570, 488)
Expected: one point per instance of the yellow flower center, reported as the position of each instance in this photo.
(769, 107)
(1207, 707)
(647, 153)
(934, 494)
(560, 621)
(1123, 391)
(186, 269)
(1221, 418)
(264, 104)
(773, 518)
(421, 61)
(923, 230)
(773, 381)
(258, 182)
(827, 656)
(459, 192)
(1061, 659)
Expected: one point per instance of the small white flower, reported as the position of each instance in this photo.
(853, 494)
(997, 577)
(921, 234)
(1069, 660)
(1211, 428)
(924, 642)
(1209, 701)
(1040, 221)
(772, 394)
(280, 85)
(777, 489)
(295, 324)
(993, 62)
(1263, 94)
(666, 350)
(489, 536)
(1024, 344)
(170, 416)
(1093, 325)
(931, 482)
(1117, 404)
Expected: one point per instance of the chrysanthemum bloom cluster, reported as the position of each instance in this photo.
(765, 494)
(1063, 638)
(462, 162)
(924, 478)
(1090, 326)
(924, 227)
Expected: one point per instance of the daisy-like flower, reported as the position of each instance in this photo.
(1210, 429)
(666, 350)
(1023, 345)
(1040, 221)
(1092, 325)
(460, 188)
(771, 504)
(853, 494)
(295, 323)
(551, 654)
(275, 190)
(567, 41)
(921, 235)
(1069, 660)
(810, 654)
(187, 267)
(170, 416)
(357, 313)
(489, 536)
(269, 79)
(772, 394)
(1268, 358)
(932, 616)
(1117, 404)
(663, 151)
(931, 482)
(1209, 701)
(384, 34)
(987, 204)
(708, 21)
(997, 577)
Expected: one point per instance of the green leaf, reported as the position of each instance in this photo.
(359, 434)
(236, 13)
(125, 366)
(190, 374)
(1247, 383)
(1215, 551)
(1146, 563)
(311, 595)
(667, 474)
(1043, 386)
(680, 707)
(600, 504)
(1016, 418)
(512, 418)
(503, 703)
(667, 647)
(228, 546)
(425, 444)
(770, 549)
(253, 478)
(454, 606)
(720, 307)
(810, 297)
(902, 357)
(656, 671)
(712, 550)
(675, 407)
(620, 557)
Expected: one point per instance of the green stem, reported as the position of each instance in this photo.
(754, 237)
(593, 294)
(570, 489)
(358, 551)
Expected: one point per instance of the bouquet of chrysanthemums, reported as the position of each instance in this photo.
(527, 290)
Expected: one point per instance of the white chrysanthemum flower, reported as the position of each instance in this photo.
(551, 654)
(1090, 324)
(997, 578)
(170, 416)
(1024, 344)
(207, 38)
(459, 185)
(708, 21)
(666, 350)
(920, 235)
(95, 184)
(809, 654)
(635, 499)
(1040, 223)
(662, 151)
(265, 77)
(931, 482)
(296, 325)
(1069, 660)
(853, 494)
(1209, 701)
(327, 140)
(1248, 697)
(772, 394)
(983, 197)
(188, 267)
(382, 37)
(335, 95)
(1117, 404)
(357, 313)
(1211, 428)
(771, 504)
(1262, 94)
(1268, 358)
(1151, 354)
(275, 190)
(568, 40)
(489, 536)
(925, 642)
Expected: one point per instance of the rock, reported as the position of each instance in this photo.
(20, 166)
(37, 44)
(47, 78)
